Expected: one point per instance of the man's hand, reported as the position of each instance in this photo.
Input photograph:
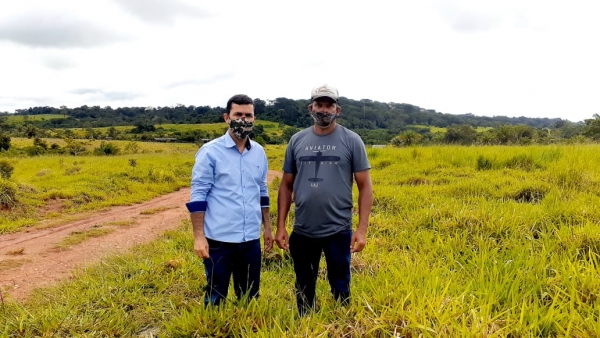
(359, 240)
(282, 239)
(268, 239)
(201, 247)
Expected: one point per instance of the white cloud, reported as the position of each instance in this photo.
(55, 30)
(162, 11)
(513, 58)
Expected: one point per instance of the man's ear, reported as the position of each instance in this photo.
(338, 109)
(310, 107)
(226, 117)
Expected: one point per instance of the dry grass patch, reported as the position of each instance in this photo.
(12, 263)
(16, 252)
(77, 237)
(153, 211)
(124, 223)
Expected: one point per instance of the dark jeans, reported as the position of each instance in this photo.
(242, 260)
(306, 254)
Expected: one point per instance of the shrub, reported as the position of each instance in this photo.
(4, 141)
(38, 142)
(107, 148)
(6, 169)
(8, 194)
(522, 162)
(484, 163)
(34, 151)
(132, 147)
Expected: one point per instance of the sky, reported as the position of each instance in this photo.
(512, 58)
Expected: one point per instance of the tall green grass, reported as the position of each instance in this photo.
(454, 250)
(86, 183)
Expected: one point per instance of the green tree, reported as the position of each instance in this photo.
(407, 138)
(593, 127)
(6, 169)
(288, 132)
(112, 132)
(4, 141)
(30, 130)
(461, 134)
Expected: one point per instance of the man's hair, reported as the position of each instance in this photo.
(238, 99)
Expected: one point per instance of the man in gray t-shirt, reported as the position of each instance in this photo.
(321, 164)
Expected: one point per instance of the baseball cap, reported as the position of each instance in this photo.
(324, 91)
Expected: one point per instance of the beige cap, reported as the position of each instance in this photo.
(324, 91)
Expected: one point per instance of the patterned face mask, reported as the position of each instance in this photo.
(241, 128)
(323, 120)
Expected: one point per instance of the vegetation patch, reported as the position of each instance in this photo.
(155, 210)
(77, 237)
(8, 194)
(8, 264)
(381, 164)
(126, 223)
(6, 169)
(16, 252)
(530, 195)
(484, 163)
(522, 162)
(416, 181)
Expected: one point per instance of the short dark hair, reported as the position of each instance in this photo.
(238, 99)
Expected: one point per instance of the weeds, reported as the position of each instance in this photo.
(453, 250)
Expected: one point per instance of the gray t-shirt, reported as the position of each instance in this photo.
(323, 167)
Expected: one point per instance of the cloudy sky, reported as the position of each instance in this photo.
(515, 58)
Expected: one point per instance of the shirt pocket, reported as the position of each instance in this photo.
(256, 173)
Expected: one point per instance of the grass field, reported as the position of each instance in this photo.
(24, 118)
(270, 128)
(463, 242)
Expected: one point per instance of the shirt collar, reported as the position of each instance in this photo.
(230, 143)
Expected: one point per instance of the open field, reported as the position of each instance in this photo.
(270, 128)
(24, 118)
(463, 241)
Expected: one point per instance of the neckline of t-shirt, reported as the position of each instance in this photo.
(312, 129)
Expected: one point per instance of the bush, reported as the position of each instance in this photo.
(6, 169)
(4, 141)
(484, 163)
(34, 151)
(38, 142)
(8, 194)
(107, 148)
(132, 147)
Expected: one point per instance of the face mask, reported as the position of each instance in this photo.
(241, 128)
(323, 120)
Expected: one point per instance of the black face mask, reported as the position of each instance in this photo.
(241, 128)
(323, 120)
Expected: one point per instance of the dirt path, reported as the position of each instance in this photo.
(29, 260)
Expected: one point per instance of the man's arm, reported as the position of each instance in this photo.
(264, 206)
(284, 201)
(365, 202)
(267, 232)
(202, 182)
(200, 242)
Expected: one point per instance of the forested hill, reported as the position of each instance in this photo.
(363, 114)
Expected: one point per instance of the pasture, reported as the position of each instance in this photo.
(463, 242)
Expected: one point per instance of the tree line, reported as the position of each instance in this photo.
(376, 122)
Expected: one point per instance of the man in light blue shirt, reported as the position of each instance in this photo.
(229, 201)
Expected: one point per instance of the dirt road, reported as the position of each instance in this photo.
(33, 259)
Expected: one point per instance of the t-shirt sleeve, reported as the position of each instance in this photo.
(360, 161)
(289, 165)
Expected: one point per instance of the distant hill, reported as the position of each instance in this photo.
(356, 114)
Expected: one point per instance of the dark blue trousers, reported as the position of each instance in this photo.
(306, 254)
(242, 260)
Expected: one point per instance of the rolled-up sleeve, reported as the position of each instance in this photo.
(264, 189)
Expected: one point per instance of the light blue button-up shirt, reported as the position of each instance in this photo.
(232, 184)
